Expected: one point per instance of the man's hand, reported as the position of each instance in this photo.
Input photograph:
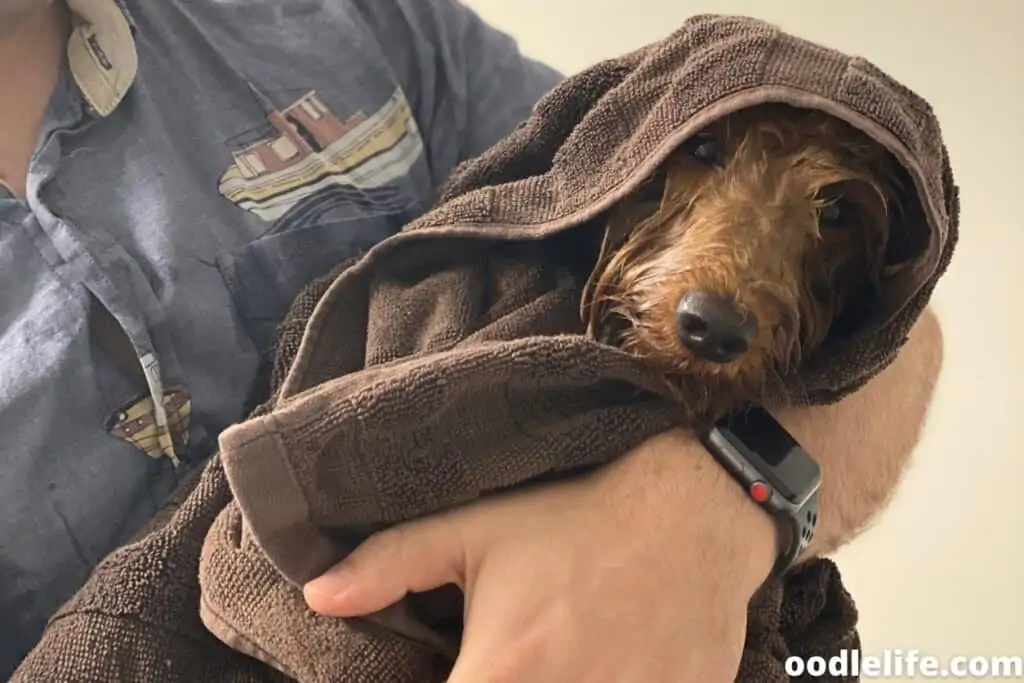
(639, 573)
(643, 570)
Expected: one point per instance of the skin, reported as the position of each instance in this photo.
(32, 39)
(639, 572)
(14, 12)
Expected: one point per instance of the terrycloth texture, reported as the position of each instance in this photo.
(450, 362)
(138, 617)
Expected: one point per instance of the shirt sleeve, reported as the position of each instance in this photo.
(467, 82)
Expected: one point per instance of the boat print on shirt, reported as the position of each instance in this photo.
(305, 161)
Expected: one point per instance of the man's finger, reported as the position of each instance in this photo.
(412, 557)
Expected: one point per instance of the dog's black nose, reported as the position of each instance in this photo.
(711, 326)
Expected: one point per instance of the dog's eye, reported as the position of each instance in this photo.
(705, 149)
(837, 212)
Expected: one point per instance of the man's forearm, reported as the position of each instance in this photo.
(863, 443)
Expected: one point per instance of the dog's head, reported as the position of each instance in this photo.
(762, 231)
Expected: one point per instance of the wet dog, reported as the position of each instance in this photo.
(744, 252)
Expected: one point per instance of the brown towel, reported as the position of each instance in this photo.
(450, 362)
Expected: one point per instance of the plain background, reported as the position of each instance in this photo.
(940, 572)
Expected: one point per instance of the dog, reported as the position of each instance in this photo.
(744, 252)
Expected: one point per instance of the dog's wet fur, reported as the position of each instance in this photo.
(744, 250)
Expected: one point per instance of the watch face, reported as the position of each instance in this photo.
(773, 452)
(761, 433)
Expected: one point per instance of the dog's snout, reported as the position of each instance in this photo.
(711, 326)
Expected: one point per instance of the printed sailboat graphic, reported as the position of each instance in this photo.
(305, 148)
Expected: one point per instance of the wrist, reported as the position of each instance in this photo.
(743, 537)
(736, 541)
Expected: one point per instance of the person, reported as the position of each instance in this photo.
(174, 172)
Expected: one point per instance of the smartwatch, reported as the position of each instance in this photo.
(775, 472)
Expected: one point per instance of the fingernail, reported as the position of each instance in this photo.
(332, 584)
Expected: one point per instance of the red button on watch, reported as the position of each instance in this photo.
(760, 491)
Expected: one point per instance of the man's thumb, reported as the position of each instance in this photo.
(413, 557)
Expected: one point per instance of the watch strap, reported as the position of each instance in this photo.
(799, 526)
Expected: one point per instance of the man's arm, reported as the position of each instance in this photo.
(468, 83)
(862, 444)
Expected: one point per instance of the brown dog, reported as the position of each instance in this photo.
(744, 251)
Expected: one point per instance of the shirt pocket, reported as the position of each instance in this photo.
(264, 276)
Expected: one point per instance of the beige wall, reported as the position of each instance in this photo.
(941, 572)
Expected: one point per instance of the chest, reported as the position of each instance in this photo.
(222, 156)
(14, 161)
(21, 119)
(196, 211)
(241, 177)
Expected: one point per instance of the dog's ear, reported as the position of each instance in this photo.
(675, 180)
(619, 222)
(907, 227)
(640, 205)
(652, 189)
(896, 238)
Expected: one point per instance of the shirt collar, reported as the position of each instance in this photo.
(101, 52)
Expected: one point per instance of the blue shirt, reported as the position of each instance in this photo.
(201, 160)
